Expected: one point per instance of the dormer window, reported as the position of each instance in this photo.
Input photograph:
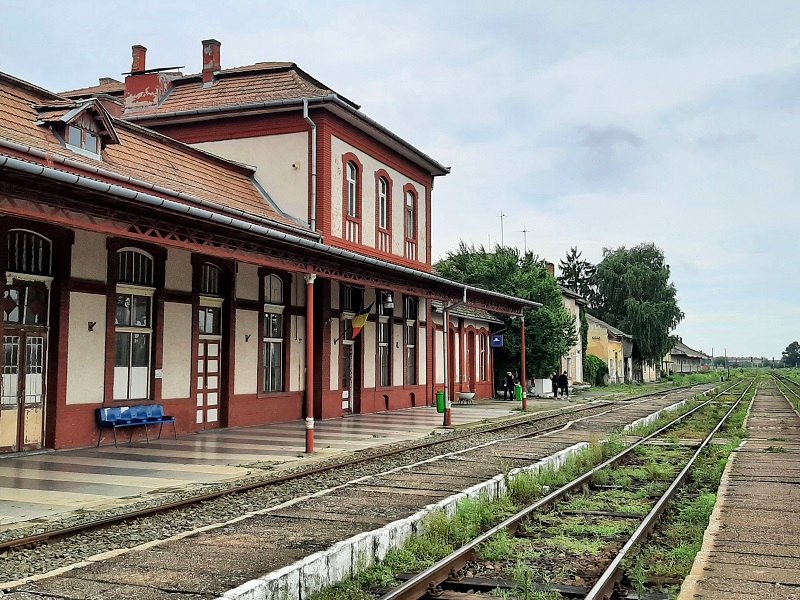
(84, 127)
(82, 139)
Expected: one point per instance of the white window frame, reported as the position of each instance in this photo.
(383, 203)
(352, 190)
(124, 289)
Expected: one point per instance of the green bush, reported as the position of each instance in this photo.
(594, 369)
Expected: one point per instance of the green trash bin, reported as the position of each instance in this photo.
(440, 403)
(518, 392)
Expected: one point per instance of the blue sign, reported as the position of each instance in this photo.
(497, 341)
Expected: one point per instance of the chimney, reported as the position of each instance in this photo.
(145, 89)
(551, 268)
(211, 60)
(139, 54)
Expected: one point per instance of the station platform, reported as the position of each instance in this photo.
(42, 486)
(751, 548)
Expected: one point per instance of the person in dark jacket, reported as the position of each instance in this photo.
(554, 381)
(563, 384)
(508, 388)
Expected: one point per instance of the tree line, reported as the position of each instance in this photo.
(629, 289)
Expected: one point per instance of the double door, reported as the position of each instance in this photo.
(22, 395)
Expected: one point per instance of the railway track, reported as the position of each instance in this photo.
(328, 512)
(583, 505)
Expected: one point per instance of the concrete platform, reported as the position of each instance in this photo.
(46, 485)
(751, 548)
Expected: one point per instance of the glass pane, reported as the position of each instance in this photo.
(11, 311)
(123, 316)
(74, 136)
(213, 320)
(276, 326)
(347, 329)
(141, 311)
(123, 350)
(274, 290)
(411, 365)
(91, 142)
(36, 305)
(276, 362)
(201, 320)
(383, 353)
(140, 351)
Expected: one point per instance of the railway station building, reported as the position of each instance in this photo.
(243, 246)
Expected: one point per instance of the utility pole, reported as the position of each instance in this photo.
(502, 240)
(726, 364)
(525, 240)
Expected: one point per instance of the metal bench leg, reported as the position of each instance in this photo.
(160, 427)
(147, 437)
(115, 437)
(174, 433)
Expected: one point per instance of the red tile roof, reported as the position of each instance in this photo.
(252, 84)
(141, 155)
(107, 85)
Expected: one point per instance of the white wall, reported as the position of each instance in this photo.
(245, 380)
(176, 364)
(297, 348)
(86, 358)
(422, 357)
(179, 270)
(368, 200)
(334, 366)
(274, 157)
(246, 281)
(89, 256)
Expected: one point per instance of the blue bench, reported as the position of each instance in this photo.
(142, 415)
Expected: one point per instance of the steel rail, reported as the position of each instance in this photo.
(604, 586)
(64, 532)
(432, 577)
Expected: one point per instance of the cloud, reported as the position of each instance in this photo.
(724, 139)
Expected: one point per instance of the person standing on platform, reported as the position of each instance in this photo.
(508, 388)
(554, 381)
(563, 384)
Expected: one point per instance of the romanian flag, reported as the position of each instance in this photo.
(360, 319)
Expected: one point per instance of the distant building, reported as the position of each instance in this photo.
(613, 346)
(682, 359)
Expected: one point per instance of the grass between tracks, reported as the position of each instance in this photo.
(443, 534)
(666, 559)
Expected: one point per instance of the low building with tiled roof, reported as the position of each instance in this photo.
(612, 345)
(683, 359)
(140, 270)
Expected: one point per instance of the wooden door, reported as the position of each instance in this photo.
(22, 400)
(208, 381)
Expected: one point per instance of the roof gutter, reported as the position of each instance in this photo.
(155, 188)
(267, 232)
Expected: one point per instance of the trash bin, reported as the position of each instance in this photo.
(518, 392)
(440, 403)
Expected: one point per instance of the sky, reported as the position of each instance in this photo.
(591, 124)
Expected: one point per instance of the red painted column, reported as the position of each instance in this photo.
(309, 409)
(524, 376)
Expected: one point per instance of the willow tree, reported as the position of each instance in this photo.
(550, 330)
(634, 294)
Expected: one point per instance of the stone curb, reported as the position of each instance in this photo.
(299, 581)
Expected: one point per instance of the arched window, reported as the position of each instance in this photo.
(273, 333)
(352, 198)
(383, 208)
(26, 298)
(383, 203)
(384, 338)
(410, 224)
(410, 317)
(352, 189)
(483, 356)
(28, 253)
(210, 277)
(133, 324)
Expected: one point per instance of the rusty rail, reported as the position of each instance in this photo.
(430, 580)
